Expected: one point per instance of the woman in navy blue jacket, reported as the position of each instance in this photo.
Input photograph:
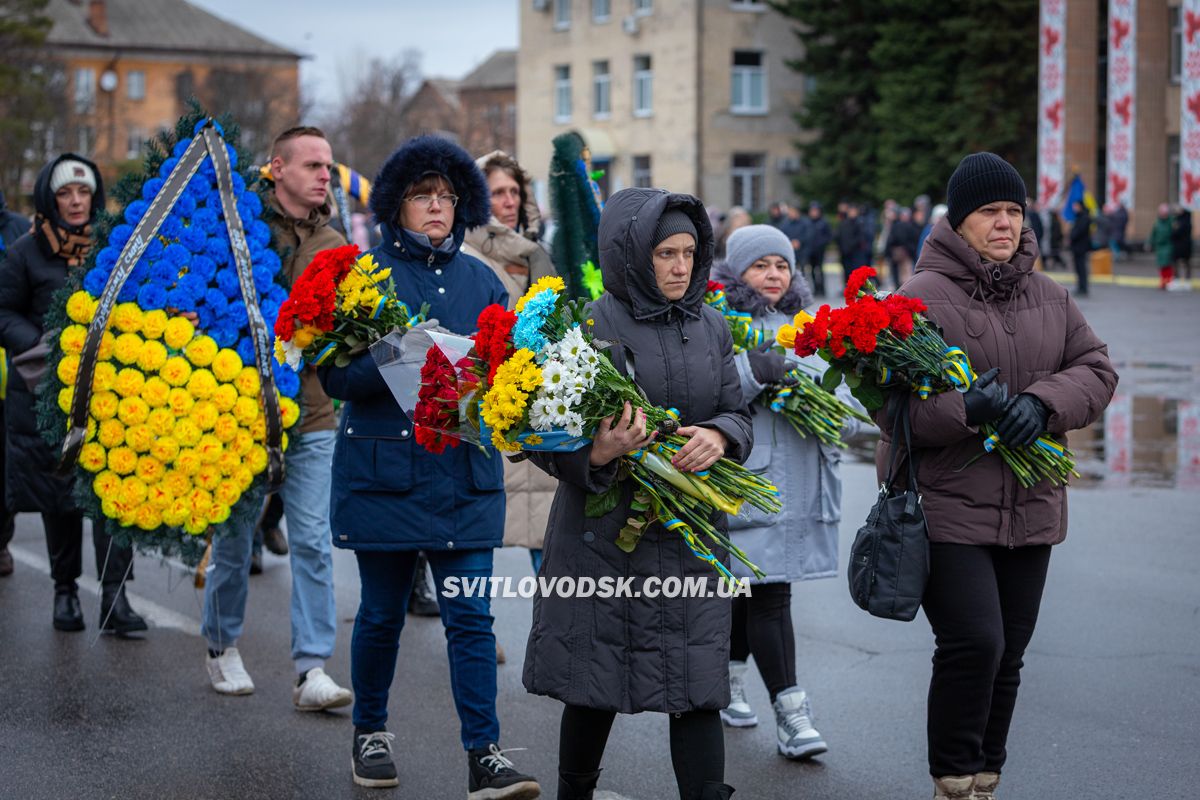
(391, 498)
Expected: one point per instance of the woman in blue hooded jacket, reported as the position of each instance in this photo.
(391, 498)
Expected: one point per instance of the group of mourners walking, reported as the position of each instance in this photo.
(459, 235)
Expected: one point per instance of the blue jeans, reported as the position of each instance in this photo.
(535, 558)
(306, 500)
(387, 578)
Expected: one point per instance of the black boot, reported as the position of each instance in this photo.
(577, 785)
(712, 790)
(68, 616)
(422, 601)
(116, 615)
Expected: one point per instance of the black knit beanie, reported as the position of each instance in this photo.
(672, 222)
(982, 178)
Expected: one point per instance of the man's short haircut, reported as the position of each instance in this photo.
(296, 132)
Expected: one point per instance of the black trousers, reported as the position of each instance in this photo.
(982, 603)
(1081, 269)
(816, 268)
(64, 543)
(7, 519)
(762, 627)
(697, 745)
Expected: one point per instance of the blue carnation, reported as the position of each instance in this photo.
(270, 311)
(193, 239)
(171, 228)
(213, 201)
(154, 250)
(151, 188)
(152, 296)
(178, 298)
(181, 147)
(194, 286)
(197, 188)
(135, 210)
(277, 295)
(215, 299)
(107, 258)
(163, 273)
(245, 350)
(227, 282)
(128, 293)
(258, 232)
(232, 154)
(119, 235)
(208, 171)
(204, 267)
(236, 311)
(185, 206)
(167, 166)
(217, 248)
(205, 219)
(263, 280)
(224, 334)
(287, 381)
(206, 316)
(93, 282)
(176, 255)
(269, 260)
(253, 206)
(527, 333)
(239, 184)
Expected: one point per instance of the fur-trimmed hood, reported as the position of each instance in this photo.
(420, 156)
(744, 298)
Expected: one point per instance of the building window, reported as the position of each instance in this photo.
(643, 86)
(1175, 59)
(85, 90)
(601, 90)
(87, 139)
(135, 85)
(562, 15)
(643, 7)
(1172, 169)
(748, 179)
(748, 5)
(749, 94)
(135, 142)
(562, 93)
(641, 172)
(601, 10)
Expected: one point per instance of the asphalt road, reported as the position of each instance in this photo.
(1109, 701)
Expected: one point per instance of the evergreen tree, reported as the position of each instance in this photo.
(31, 90)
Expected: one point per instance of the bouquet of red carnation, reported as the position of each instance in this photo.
(881, 341)
(437, 409)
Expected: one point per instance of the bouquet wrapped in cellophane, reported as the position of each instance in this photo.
(341, 304)
(536, 379)
(807, 407)
(880, 341)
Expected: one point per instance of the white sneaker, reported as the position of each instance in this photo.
(797, 738)
(738, 714)
(319, 692)
(227, 674)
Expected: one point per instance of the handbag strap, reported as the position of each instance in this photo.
(901, 429)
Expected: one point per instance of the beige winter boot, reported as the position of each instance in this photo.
(954, 787)
(985, 785)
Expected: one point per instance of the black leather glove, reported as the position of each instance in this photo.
(986, 400)
(767, 365)
(1023, 422)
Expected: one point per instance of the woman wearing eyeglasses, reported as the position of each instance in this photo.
(391, 498)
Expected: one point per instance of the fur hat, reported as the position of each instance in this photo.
(432, 154)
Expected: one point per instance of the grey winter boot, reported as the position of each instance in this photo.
(985, 785)
(954, 787)
(797, 738)
(738, 714)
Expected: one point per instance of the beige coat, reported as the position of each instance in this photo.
(529, 490)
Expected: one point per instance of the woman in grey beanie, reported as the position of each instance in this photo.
(799, 543)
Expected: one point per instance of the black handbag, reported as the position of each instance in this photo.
(889, 561)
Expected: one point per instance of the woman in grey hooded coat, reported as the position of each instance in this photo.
(800, 542)
(603, 655)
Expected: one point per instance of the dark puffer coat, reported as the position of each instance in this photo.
(632, 654)
(1006, 316)
(29, 278)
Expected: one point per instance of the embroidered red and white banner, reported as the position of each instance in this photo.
(1052, 69)
(1189, 111)
(1122, 100)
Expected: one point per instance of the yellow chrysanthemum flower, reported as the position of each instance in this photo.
(149, 469)
(205, 414)
(157, 497)
(108, 344)
(132, 410)
(111, 433)
(65, 397)
(126, 317)
(201, 350)
(147, 517)
(176, 371)
(224, 397)
(155, 392)
(104, 377)
(106, 485)
(139, 438)
(229, 462)
(207, 477)
(243, 477)
(225, 428)
(122, 460)
(103, 405)
(226, 365)
(93, 457)
(176, 483)
(246, 410)
(200, 500)
(283, 441)
(165, 448)
(187, 432)
(81, 307)
(72, 339)
(154, 323)
(127, 348)
(68, 368)
(178, 333)
(187, 462)
(280, 351)
(503, 445)
(242, 442)
(289, 410)
(161, 421)
(218, 513)
(247, 382)
(256, 459)
(176, 513)
(258, 428)
(227, 493)
(179, 401)
(133, 492)
(129, 382)
(540, 285)
(201, 384)
(152, 357)
(209, 449)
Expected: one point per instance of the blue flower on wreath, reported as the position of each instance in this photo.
(245, 349)
(193, 238)
(227, 282)
(165, 168)
(180, 148)
(119, 235)
(527, 333)
(151, 187)
(152, 296)
(269, 260)
(286, 381)
(135, 210)
(93, 282)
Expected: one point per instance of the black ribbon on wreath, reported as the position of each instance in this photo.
(207, 143)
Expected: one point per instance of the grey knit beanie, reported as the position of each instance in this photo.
(674, 221)
(747, 245)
